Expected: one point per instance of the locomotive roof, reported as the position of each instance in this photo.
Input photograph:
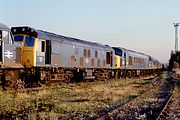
(4, 27)
(137, 52)
(56, 37)
(152, 58)
(132, 51)
(51, 36)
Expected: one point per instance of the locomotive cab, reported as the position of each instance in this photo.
(28, 39)
(29, 51)
(118, 58)
(36, 46)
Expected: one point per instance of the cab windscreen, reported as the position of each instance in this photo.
(18, 38)
(29, 41)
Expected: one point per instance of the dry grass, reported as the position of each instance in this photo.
(72, 99)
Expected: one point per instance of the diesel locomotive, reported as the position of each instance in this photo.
(49, 56)
(133, 63)
(10, 56)
(10, 51)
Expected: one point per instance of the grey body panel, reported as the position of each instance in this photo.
(134, 65)
(64, 49)
(125, 59)
(9, 49)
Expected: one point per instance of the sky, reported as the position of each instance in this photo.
(142, 25)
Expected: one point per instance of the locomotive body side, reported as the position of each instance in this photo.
(73, 53)
(136, 60)
(155, 64)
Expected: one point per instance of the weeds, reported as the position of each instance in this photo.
(78, 99)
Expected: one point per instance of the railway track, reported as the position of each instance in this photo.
(171, 110)
(148, 105)
(139, 86)
(165, 109)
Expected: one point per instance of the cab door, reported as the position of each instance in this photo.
(111, 58)
(125, 60)
(1, 47)
(48, 52)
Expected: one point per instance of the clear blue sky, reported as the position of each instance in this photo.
(142, 25)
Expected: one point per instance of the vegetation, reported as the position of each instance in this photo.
(80, 100)
(175, 64)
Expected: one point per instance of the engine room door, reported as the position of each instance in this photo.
(1, 47)
(111, 58)
(48, 52)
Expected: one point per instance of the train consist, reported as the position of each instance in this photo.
(46, 57)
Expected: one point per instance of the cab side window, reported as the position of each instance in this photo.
(5, 37)
(1, 55)
(11, 41)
